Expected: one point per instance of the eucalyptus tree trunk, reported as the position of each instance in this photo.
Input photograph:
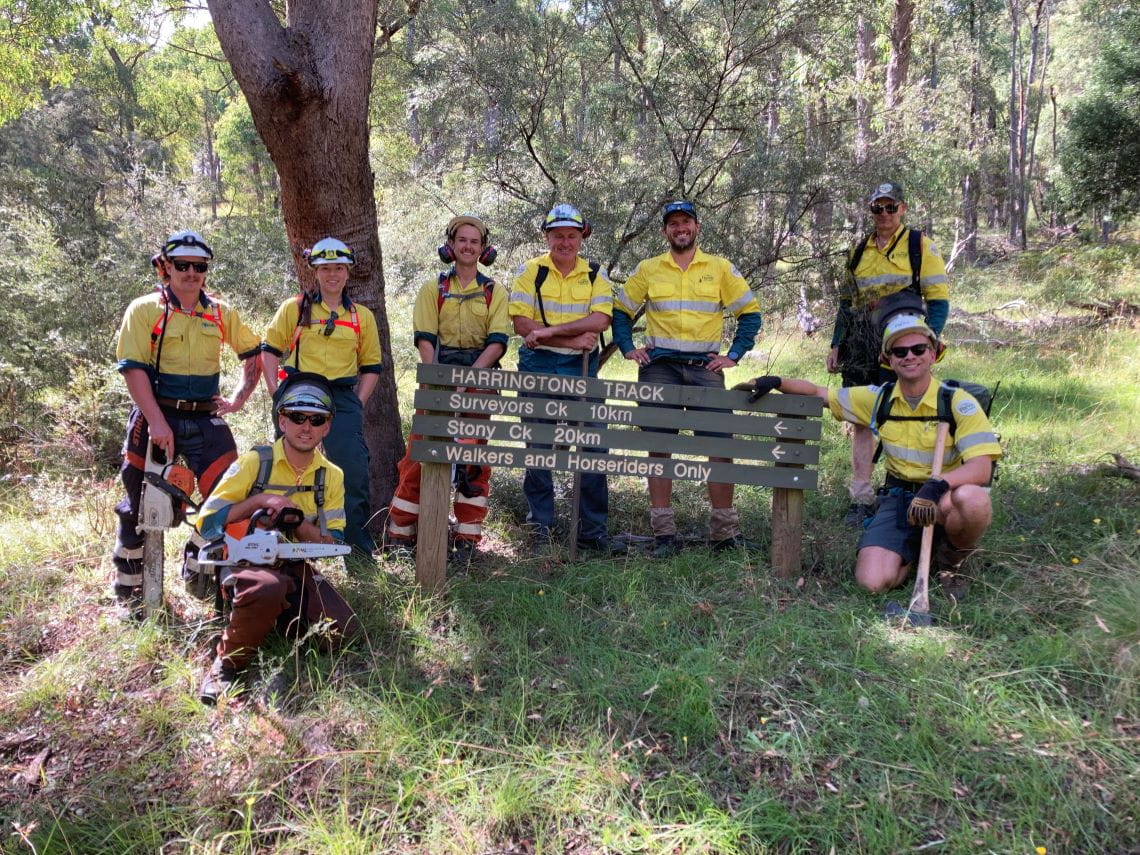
(307, 80)
(864, 60)
(898, 66)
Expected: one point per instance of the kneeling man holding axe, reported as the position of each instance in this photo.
(934, 490)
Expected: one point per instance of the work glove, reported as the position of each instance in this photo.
(758, 386)
(924, 505)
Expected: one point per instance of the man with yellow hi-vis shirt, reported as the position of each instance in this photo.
(460, 318)
(686, 292)
(559, 305)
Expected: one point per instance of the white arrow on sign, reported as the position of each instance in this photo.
(778, 452)
(780, 427)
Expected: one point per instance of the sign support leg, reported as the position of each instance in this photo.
(431, 540)
(787, 531)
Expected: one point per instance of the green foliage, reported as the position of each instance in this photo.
(1101, 157)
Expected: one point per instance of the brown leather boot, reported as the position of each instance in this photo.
(219, 679)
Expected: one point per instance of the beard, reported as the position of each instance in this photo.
(681, 244)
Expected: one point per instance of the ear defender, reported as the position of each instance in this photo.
(486, 257)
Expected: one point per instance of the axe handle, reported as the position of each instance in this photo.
(920, 600)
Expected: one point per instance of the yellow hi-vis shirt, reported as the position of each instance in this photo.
(337, 356)
(908, 447)
(564, 299)
(881, 273)
(238, 481)
(465, 320)
(187, 347)
(684, 309)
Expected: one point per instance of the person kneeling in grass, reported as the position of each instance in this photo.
(957, 502)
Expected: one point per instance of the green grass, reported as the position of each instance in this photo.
(694, 705)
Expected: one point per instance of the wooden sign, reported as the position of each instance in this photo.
(586, 425)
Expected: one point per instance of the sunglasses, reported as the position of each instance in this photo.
(916, 349)
(183, 266)
(330, 324)
(315, 419)
(890, 209)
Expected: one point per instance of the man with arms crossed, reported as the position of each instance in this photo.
(559, 304)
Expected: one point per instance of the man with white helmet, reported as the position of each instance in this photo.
(169, 353)
(460, 318)
(327, 333)
(560, 303)
(957, 501)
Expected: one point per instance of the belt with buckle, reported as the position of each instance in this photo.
(911, 486)
(187, 406)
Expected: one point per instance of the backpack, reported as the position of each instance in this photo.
(445, 287)
(907, 300)
(882, 409)
(261, 483)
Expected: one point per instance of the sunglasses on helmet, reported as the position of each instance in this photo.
(681, 206)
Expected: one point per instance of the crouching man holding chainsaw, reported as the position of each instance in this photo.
(264, 575)
(930, 484)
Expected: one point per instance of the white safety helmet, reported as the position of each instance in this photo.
(186, 244)
(329, 251)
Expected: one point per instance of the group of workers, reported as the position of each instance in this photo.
(321, 358)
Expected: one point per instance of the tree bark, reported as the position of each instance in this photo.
(308, 83)
(864, 59)
(898, 66)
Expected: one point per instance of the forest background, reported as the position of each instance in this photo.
(1015, 128)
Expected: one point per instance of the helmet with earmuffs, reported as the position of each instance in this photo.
(489, 252)
(566, 216)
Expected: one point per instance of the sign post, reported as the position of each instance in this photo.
(766, 441)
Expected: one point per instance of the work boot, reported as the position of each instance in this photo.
(600, 545)
(665, 546)
(857, 514)
(949, 562)
(737, 541)
(540, 540)
(219, 680)
(398, 548)
(128, 602)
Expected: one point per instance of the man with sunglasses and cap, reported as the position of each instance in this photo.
(459, 318)
(559, 305)
(327, 333)
(880, 281)
(299, 476)
(685, 293)
(169, 353)
(957, 502)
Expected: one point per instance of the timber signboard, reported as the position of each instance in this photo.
(594, 425)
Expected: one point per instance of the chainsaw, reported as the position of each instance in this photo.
(267, 546)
